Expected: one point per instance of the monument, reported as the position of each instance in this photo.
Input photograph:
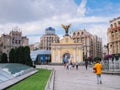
(66, 49)
(66, 27)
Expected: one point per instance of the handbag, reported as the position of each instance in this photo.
(94, 70)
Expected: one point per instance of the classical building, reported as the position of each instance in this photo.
(92, 43)
(67, 49)
(48, 38)
(5, 43)
(113, 36)
(31, 47)
(25, 41)
(12, 40)
(97, 46)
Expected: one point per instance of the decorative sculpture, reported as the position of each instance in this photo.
(66, 27)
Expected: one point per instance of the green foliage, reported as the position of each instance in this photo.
(12, 56)
(28, 60)
(4, 58)
(97, 58)
(37, 81)
(116, 56)
(20, 55)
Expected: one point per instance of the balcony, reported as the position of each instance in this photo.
(115, 28)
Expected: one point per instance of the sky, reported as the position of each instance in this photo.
(34, 16)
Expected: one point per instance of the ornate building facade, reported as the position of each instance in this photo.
(68, 49)
(48, 38)
(97, 46)
(12, 40)
(113, 36)
(92, 43)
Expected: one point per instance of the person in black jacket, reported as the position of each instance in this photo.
(86, 63)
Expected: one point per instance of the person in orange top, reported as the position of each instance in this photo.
(98, 70)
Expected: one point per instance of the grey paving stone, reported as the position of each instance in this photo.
(82, 79)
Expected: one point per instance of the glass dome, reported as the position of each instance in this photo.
(10, 71)
(35, 53)
(50, 30)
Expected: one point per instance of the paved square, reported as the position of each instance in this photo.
(82, 79)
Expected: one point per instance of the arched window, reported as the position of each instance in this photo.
(118, 22)
(81, 33)
(111, 26)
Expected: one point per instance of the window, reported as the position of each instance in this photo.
(118, 22)
(19, 41)
(81, 33)
(16, 41)
(111, 26)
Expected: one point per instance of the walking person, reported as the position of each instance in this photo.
(86, 63)
(98, 71)
(67, 65)
(76, 65)
(64, 62)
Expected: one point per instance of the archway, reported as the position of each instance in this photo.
(66, 57)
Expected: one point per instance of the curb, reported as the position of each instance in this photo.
(51, 80)
(111, 73)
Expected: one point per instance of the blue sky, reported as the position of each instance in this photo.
(34, 16)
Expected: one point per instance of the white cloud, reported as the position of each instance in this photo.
(33, 16)
(34, 39)
(100, 30)
(82, 8)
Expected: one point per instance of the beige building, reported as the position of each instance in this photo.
(12, 40)
(31, 47)
(113, 36)
(48, 38)
(97, 46)
(5, 43)
(92, 43)
(25, 41)
(68, 49)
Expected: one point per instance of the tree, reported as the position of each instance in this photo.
(21, 55)
(12, 56)
(4, 58)
(28, 60)
(97, 58)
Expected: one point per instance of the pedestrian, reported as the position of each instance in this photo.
(67, 65)
(64, 62)
(86, 63)
(98, 71)
(76, 65)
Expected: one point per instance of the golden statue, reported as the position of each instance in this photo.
(66, 28)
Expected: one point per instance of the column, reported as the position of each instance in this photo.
(53, 55)
(79, 53)
(74, 54)
(59, 55)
